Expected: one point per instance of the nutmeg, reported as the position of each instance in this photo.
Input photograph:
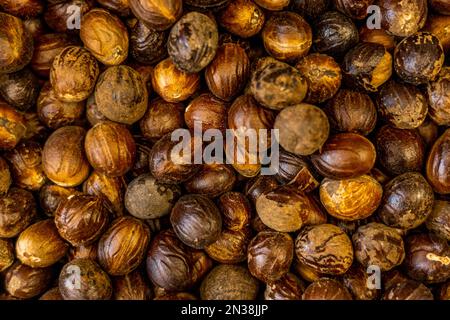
(440, 27)
(24, 282)
(59, 15)
(236, 210)
(23, 8)
(439, 219)
(356, 280)
(379, 36)
(12, 126)
(6, 254)
(230, 247)
(17, 211)
(273, 5)
(242, 18)
(438, 177)
(51, 195)
(326, 289)
(408, 290)
(131, 286)
(212, 180)
(52, 294)
(19, 89)
(355, 9)
(288, 287)
(157, 14)
(147, 45)
(5, 177)
(206, 111)
(439, 98)
(310, 9)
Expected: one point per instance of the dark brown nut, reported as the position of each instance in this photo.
(437, 167)
(356, 9)
(378, 245)
(440, 27)
(196, 221)
(272, 5)
(325, 248)
(52, 294)
(161, 118)
(212, 180)
(122, 247)
(172, 84)
(439, 219)
(110, 189)
(93, 114)
(105, 36)
(206, 111)
(402, 105)
(242, 18)
(24, 282)
(367, 66)
(17, 211)
(270, 255)
(63, 157)
(35, 130)
(427, 258)
(7, 254)
(83, 279)
(73, 74)
(147, 45)
(407, 201)
(227, 74)
(81, 219)
(356, 280)
(310, 8)
(444, 292)
(19, 89)
(438, 93)
(323, 76)
(326, 289)
(351, 199)
(335, 34)
(40, 245)
(428, 130)
(193, 42)
(25, 162)
(392, 277)
(345, 155)
(236, 210)
(120, 7)
(121, 95)
(55, 113)
(143, 148)
(408, 290)
(285, 209)
(23, 8)
(145, 198)
(229, 282)
(258, 186)
(157, 14)
(379, 36)
(207, 4)
(5, 177)
(399, 151)
(230, 247)
(288, 287)
(440, 6)
(59, 16)
(419, 58)
(173, 265)
(303, 128)
(176, 296)
(277, 85)
(83, 252)
(17, 44)
(287, 36)
(131, 286)
(51, 195)
(12, 126)
(351, 111)
(110, 148)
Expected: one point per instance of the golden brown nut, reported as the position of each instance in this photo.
(23, 8)
(438, 93)
(242, 17)
(236, 210)
(132, 286)
(157, 14)
(440, 27)
(52, 294)
(24, 282)
(12, 126)
(437, 166)
(231, 247)
(379, 36)
(6, 254)
(326, 289)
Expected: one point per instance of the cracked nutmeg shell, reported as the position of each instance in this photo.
(196, 221)
(6, 254)
(230, 247)
(20, 89)
(122, 247)
(438, 93)
(5, 177)
(325, 248)
(326, 289)
(379, 245)
(242, 18)
(439, 219)
(81, 219)
(12, 126)
(157, 14)
(407, 201)
(93, 282)
(63, 157)
(24, 282)
(438, 164)
(17, 211)
(288, 287)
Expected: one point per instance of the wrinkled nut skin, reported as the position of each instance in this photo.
(402, 105)
(438, 93)
(212, 180)
(35, 130)
(208, 111)
(6, 254)
(427, 258)
(276, 85)
(326, 289)
(52, 295)
(242, 18)
(439, 219)
(407, 201)
(145, 198)
(325, 248)
(58, 13)
(73, 74)
(23, 8)
(20, 89)
(399, 150)
(229, 282)
(235, 209)
(40, 245)
(351, 199)
(173, 85)
(378, 244)
(17, 44)
(110, 148)
(230, 247)
(345, 155)
(288, 287)
(5, 177)
(51, 195)
(63, 158)
(122, 247)
(174, 266)
(354, 9)
(303, 128)
(193, 42)
(157, 14)
(419, 58)
(287, 36)
(408, 290)
(147, 46)
(12, 126)
(356, 280)
(227, 74)
(269, 255)
(105, 36)
(81, 219)
(17, 211)
(437, 166)
(323, 76)
(24, 282)
(272, 5)
(131, 286)
(196, 221)
(94, 283)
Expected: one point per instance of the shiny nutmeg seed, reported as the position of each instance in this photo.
(157, 14)
(242, 17)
